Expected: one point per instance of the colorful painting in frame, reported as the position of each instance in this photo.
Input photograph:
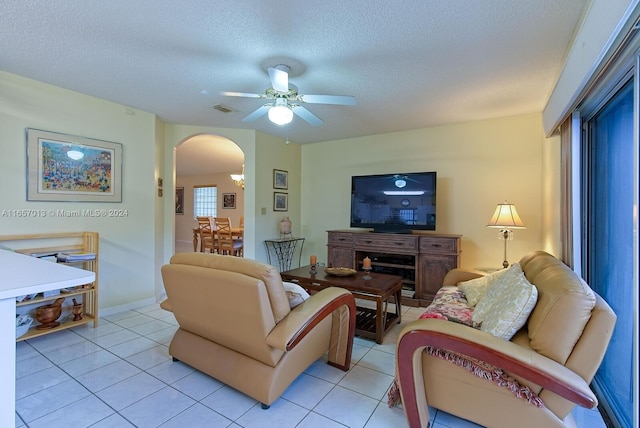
(71, 168)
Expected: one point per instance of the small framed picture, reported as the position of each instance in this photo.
(280, 201)
(280, 179)
(179, 200)
(228, 200)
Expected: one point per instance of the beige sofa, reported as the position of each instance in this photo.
(555, 355)
(236, 324)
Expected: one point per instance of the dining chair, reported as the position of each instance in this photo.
(207, 236)
(227, 244)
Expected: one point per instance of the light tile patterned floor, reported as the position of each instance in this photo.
(121, 375)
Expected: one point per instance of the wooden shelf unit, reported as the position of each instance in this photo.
(60, 242)
(422, 259)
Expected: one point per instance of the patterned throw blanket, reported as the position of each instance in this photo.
(450, 304)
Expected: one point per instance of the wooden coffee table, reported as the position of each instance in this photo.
(379, 288)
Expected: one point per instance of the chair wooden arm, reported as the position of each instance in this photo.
(482, 346)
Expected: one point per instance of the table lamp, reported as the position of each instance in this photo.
(506, 218)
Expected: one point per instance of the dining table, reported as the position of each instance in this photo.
(236, 232)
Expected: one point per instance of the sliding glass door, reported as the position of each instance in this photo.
(608, 238)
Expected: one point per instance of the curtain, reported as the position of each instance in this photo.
(566, 195)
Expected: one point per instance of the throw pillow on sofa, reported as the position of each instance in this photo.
(506, 306)
(295, 293)
(449, 304)
(475, 288)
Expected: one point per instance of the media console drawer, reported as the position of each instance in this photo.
(438, 245)
(337, 238)
(388, 242)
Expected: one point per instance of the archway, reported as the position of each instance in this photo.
(204, 160)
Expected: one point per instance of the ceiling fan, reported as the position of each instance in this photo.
(285, 101)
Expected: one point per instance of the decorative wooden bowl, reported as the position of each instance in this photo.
(340, 271)
(47, 315)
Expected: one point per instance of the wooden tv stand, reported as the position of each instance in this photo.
(421, 258)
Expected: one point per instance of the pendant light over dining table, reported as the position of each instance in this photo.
(238, 179)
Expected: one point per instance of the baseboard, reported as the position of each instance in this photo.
(127, 307)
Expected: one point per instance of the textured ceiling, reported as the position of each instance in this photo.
(410, 64)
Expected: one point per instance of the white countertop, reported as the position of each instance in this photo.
(21, 274)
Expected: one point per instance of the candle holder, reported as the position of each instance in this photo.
(314, 269)
(366, 273)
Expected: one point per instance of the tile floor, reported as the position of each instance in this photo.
(121, 375)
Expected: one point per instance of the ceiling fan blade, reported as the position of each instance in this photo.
(306, 115)
(345, 100)
(241, 94)
(257, 113)
(279, 80)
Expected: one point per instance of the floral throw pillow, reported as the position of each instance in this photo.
(449, 304)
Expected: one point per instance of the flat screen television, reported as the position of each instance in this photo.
(394, 203)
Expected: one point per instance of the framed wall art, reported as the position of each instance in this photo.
(280, 179)
(280, 201)
(69, 168)
(228, 200)
(179, 200)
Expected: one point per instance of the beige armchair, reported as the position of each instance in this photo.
(556, 354)
(236, 324)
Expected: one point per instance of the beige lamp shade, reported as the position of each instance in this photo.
(506, 217)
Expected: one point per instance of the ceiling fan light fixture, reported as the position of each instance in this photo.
(280, 114)
(282, 92)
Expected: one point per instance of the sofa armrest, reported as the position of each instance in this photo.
(454, 276)
(482, 346)
(334, 301)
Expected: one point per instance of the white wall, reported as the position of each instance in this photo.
(127, 244)
(273, 153)
(159, 218)
(479, 165)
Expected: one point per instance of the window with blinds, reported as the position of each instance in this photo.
(205, 201)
